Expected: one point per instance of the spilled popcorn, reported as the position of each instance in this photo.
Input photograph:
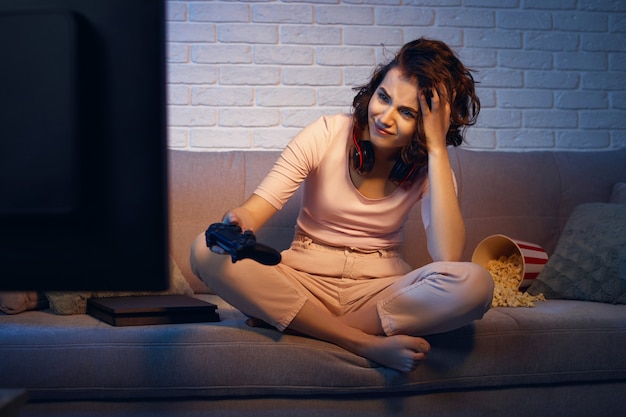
(507, 274)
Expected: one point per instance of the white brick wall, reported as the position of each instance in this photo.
(251, 74)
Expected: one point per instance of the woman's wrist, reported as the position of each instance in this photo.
(437, 152)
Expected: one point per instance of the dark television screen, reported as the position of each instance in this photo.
(83, 198)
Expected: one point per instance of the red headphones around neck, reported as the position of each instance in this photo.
(363, 158)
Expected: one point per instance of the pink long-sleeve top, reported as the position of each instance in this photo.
(333, 211)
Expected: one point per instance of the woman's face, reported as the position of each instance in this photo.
(393, 112)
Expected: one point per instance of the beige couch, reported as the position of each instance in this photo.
(562, 357)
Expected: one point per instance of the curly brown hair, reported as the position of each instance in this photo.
(434, 65)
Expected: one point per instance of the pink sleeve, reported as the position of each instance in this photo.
(299, 158)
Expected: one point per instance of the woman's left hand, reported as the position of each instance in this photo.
(436, 117)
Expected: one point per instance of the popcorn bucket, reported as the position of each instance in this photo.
(533, 256)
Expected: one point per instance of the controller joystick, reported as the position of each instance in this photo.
(240, 245)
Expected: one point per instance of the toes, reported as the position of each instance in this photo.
(415, 362)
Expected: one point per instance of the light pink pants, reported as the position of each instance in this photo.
(436, 298)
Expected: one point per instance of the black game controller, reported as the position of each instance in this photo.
(240, 245)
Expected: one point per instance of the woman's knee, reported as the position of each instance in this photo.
(198, 254)
(479, 284)
(205, 264)
(471, 282)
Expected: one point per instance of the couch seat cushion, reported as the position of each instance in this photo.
(79, 357)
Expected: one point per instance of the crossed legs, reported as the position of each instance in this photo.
(279, 296)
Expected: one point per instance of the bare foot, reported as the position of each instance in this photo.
(400, 352)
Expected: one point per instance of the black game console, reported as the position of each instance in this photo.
(240, 245)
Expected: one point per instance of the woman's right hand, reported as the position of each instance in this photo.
(239, 216)
(242, 217)
(251, 215)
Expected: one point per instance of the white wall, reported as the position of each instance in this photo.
(251, 74)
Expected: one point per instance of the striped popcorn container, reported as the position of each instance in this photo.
(533, 256)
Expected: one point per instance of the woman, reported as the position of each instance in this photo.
(343, 279)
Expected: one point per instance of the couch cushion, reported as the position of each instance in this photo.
(79, 357)
(589, 262)
(202, 186)
(530, 195)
